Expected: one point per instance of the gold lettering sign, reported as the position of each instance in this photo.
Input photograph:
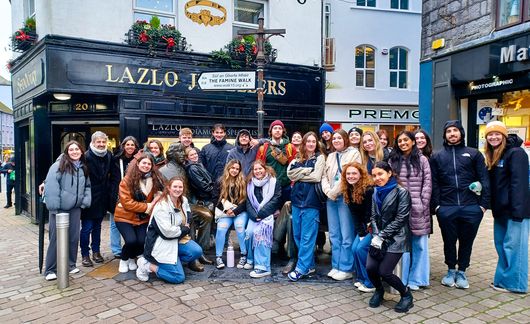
(205, 16)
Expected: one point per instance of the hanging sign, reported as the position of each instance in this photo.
(235, 80)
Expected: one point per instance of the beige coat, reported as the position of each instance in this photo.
(331, 187)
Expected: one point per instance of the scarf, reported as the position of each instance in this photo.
(77, 164)
(264, 229)
(380, 193)
(98, 152)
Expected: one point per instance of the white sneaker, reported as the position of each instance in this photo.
(124, 266)
(258, 273)
(341, 275)
(51, 276)
(74, 271)
(142, 272)
(132, 265)
(357, 284)
(248, 266)
(332, 273)
(365, 289)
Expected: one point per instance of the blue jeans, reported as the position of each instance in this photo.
(115, 236)
(511, 243)
(174, 273)
(305, 228)
(90, 228)
(341, 234)
(416, 263)
(360, 254)
(223, 225)
(260, 256)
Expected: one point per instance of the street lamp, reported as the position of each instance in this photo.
(261, 36)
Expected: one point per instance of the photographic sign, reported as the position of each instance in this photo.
(236, 80)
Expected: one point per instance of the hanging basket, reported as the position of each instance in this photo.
(22, 41)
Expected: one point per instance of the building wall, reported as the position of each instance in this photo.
(110, 20)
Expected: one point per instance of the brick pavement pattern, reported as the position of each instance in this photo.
(26, 297)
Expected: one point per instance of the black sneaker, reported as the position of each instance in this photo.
(242, 262)
(219, 264)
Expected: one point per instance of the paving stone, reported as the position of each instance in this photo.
(109, 313)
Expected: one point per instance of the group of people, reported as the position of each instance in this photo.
(376, 200)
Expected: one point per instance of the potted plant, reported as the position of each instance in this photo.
(25, 37)
(156, 36)
(243, 48)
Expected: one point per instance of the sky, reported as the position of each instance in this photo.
(5, 34)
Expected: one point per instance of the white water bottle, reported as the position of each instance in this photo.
(230, 256)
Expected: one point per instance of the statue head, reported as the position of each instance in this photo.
(175, 153)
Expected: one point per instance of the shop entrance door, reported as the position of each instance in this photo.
(63, 133)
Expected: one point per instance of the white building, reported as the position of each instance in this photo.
(7, 135)
(372, 57)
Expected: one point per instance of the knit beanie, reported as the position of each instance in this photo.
(355, 129)
(325, 127)
(496, 126)
(277, 122)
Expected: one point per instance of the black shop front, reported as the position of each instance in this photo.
(67, 88)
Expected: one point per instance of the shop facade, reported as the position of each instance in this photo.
(67, 88)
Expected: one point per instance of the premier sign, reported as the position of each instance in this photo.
(512, 53)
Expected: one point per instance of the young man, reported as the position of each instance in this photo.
(213, 155)
(244, 151)
(186, 137)
(455, 170)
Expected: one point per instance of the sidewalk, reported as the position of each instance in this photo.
(103, 295)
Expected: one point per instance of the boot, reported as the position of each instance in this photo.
(205, 260)
(97, 257)
(86, 262)
(405, 303)
(377, 298)
(289, 267)
(196, 266)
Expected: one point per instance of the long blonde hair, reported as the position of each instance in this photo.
(379, 155)
(493, 155)
(229, 183)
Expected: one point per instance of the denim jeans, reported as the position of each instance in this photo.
(341, 234)
(115, 236)
(249, 240)
(511, 243)
(260, 256)
(416, 263)
(305, 228)
(360, 254)
(90, 228)
(174, 273)
(223, 225)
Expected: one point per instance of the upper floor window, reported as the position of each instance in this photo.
(163, 9)
(510, 12)
(327, 20)
(366, 3)
(365, 66)
(398, 67)
(246, 14)
(30, 6)
(399, 4)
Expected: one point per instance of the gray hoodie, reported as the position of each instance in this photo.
(245, 155)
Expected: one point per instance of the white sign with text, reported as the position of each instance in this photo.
(235, 80)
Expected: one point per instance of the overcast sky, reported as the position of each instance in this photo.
(5, 33)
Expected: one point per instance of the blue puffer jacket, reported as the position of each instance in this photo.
(305, 175)
(213, 157)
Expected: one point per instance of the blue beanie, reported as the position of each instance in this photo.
(326, 127)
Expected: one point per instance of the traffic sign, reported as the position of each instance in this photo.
(234, 80)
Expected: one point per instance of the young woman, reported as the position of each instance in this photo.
(390, 229)
(507, 164)
(296, 140)
(414, 172)
(371, 150)
(383, 138)
(232, 201)
(306, 171)
(357, 190)
(66, 190)
(263, 199)
(156, 149)
(423, 142)
(123, 156)
(168, 243)
(355, 135)
(340, 223)
(326, 131)
(138, 190)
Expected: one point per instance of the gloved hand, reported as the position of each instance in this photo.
(184, 230)
(377, 242)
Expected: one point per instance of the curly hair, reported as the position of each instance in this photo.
(355, 193)
(233, 189)
(134, 175)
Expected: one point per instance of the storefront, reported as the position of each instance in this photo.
(67, 88)
(393, 119)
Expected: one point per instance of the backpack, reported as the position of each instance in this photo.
(262, 152)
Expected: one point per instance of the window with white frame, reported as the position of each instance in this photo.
(365, 66)
(30, 6)
(163, 9)
(246, 14)
(399, 4)
(366, 3)
(398, 67)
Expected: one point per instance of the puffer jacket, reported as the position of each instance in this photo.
(65, 191)
(391, 223)
(510, 197)
(213, 157)
(453, 169)
(330, 185)
(305, 175)
(420, 188)
(128, 207)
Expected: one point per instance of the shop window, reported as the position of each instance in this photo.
(509, 12)
(399, 4)
(246, 14)
(366, 3)
(398, 67)
(365, 66)
(163, 9)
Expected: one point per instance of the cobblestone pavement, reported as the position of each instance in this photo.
(26, 297)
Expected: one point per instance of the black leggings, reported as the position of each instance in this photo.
(134, 237)
(383, 269)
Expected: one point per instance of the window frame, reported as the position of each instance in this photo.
(398, 70)
(400, 5)
(152, 12)
(364, 69)
(245, 25)
(29, 13)
(524, 14)
(366, 4)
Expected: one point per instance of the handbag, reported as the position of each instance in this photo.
(226, 206)
(320, 193)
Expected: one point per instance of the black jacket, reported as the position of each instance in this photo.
(213, 157)
(362, 212)
(269, 208)
(8, 166)
(510, 196)
(200, 181)
(391, 223)
(453, 169)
